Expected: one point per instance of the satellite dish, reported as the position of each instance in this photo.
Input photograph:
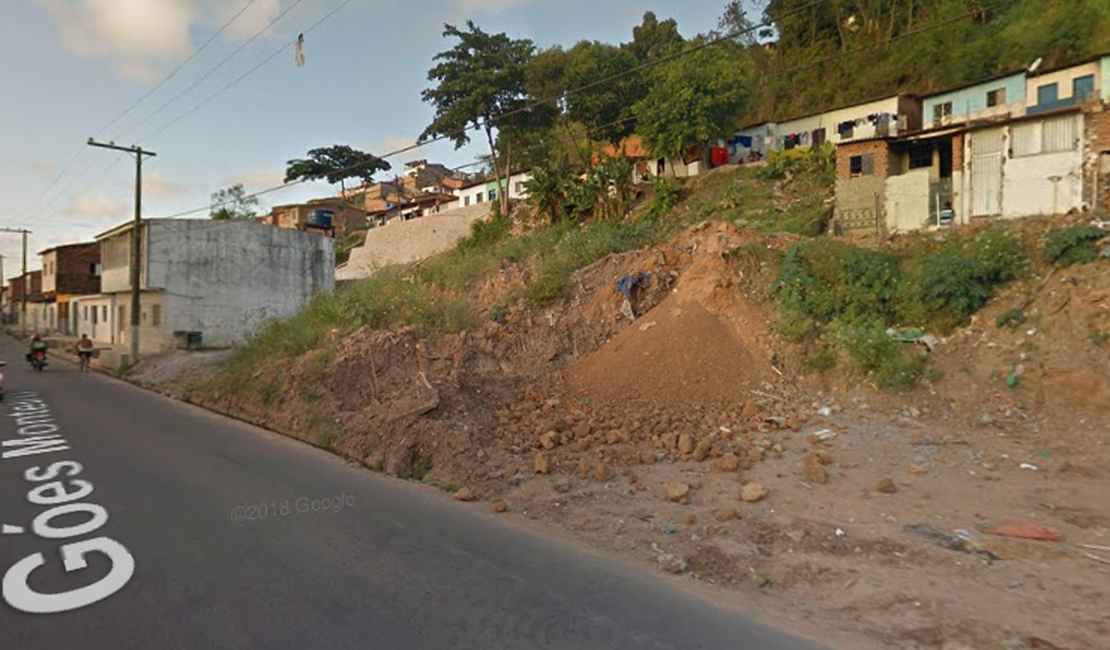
(1036, 65)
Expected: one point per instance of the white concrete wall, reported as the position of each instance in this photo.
(1028, 188)
(228, 279)
(103, 331)
(404, 242)
(831, 119)
(907, 201)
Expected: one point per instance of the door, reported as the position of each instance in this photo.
(986, 173)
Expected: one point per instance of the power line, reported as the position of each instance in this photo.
(245, 74)
(177, 69)
(77, 153)
(212, 69)
(530, 105)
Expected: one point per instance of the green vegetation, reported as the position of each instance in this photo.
(1069, 246)
(1012, 319)
(421, 467)
(325, 431)
(831, 292)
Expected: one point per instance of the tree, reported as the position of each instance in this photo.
(605, 108)
(335, 165)
(478, 80)
(693, 99)
(654, 39)
(233, 203)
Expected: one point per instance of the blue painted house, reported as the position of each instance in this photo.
(995, 97)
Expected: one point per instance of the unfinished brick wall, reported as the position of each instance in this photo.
(1097, 192)
(957, 153)
(76, 269)
(880, 149)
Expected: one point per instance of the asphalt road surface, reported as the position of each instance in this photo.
(219, 535)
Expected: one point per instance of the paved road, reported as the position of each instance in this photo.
(390, 566)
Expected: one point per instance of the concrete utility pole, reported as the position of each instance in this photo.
(25, 283)
(136, 240)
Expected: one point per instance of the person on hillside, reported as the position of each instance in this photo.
(85, 351)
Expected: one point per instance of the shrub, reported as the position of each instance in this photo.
(1003, 255)
(893, 364)
(667, 195)
(1069, 246)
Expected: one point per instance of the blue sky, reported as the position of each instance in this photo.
(73, 66)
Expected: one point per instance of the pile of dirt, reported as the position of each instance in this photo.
(676, 355)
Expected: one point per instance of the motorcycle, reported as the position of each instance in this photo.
(38, 360)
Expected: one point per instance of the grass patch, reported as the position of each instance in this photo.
(1066, 247)
(832, 290)
(270, 392)
(325, 431)
(421, 467)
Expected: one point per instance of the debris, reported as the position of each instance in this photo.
(549, 440)
(824, 435)
(815, 466)
(498, 506)
(824, 411)
(1092, 556)
(727, 463)
(689, 519)
(602, 472)
(1028, 466)
(561, 484)
(934, 535)
(464, 494)
(753, 492)
(1024, 530)
(778, 421)
(646, 326)
(629, 282)
(672, 563)
(726, 514)
(1043, 453)
(841, 533)
(1094, 547)
(670, 529)
(886, 485)
(677, 492)
(796, 536)
(541, 464)
(917, 470)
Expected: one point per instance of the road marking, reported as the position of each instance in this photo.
(12, 530)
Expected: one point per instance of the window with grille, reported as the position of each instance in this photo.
(862, 165)
(996, 98)
(942, 112)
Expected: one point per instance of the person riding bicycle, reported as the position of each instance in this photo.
(85, 351)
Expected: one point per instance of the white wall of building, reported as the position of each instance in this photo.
(830, 120)
(907, 201)
(224, 279)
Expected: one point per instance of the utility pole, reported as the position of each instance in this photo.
(25, 282)
(136, 240)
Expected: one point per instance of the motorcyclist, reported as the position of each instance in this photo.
(37, 344)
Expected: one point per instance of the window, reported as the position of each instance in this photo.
(921, 156)
(94, 312)
(996, 98)
(862, 165)
(466, 201)
(481, 197)
(1048, 136)
(86, 313)
(942, 112)
(156, 315)
(518, 187)
(104, 313)
(493, 194)
(94, 270)
(1047, 94)
(1083, 88)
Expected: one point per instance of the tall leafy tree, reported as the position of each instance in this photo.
(335, 165)
(693, 99)
(233, 203)
(604, 104)
(476, 81)
(654, 38)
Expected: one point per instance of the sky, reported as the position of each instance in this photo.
(78, 69)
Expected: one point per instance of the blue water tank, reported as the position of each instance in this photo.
(320, 218)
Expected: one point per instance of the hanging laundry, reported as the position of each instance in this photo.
(757, 143)
(744, 141)
(300, 51)
(803, 139)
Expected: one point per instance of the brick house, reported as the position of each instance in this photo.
(345, 218)
(27, 289)
(68, 272)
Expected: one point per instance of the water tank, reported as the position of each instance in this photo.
(320, 219)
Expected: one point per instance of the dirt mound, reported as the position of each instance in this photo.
(675, 355)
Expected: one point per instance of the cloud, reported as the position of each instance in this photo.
(155, 186)
(135, 35)
(97, 204)
(257, 180)
(489, 6)
(253, 20)
(45, 168)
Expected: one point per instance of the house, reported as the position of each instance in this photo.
(1067, 86)
(881, 118)
(482, 191)
(332, 217)
(93, 316)
(221, 281)
(995, 97)
(67, 272)
(752, 143)
(26, 307)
